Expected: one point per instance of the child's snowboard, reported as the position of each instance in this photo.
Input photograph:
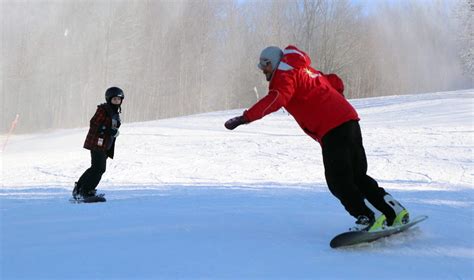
(357, 237)
(89, 199)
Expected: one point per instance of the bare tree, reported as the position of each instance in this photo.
(182, 57)
(464, 13)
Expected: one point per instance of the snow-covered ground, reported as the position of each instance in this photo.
(188, 199)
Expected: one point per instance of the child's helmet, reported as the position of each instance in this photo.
(113, 92)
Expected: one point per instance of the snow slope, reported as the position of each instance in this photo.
(188, 199)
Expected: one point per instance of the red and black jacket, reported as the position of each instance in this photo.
(99, 137)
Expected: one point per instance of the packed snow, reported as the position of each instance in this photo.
(189, 199)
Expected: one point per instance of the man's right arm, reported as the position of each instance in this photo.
(280, 93)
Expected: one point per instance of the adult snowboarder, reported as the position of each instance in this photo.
(317, 103)
(103, 131)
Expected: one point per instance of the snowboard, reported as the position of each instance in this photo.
(90, 199)
(356, 237)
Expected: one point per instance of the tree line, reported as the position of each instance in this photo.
(175, 58)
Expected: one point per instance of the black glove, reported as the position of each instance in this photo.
(116, 122)
(235, 122)
(114, 132)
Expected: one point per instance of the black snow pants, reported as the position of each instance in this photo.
(345, 165)
(91, 177)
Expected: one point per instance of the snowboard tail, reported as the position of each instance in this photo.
(356, 237)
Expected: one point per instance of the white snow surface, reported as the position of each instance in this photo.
(188, 199)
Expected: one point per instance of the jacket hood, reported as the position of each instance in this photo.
(295, 58)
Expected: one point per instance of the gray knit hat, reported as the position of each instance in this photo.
(270, 54)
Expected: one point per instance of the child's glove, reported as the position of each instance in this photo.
(235, 122)
(114, 132)
(116, 123)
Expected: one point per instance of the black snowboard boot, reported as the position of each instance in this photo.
(92, 196)
(363, 223)
(86, 196)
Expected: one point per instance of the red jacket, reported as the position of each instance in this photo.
(100, 125)
(306, 94)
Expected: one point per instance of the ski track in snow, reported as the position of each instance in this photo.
(188, 199)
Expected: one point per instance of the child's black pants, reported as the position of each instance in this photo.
(91, 177)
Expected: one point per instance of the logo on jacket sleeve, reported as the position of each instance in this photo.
(311, 74)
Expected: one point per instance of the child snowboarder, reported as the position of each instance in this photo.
(104, 129)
